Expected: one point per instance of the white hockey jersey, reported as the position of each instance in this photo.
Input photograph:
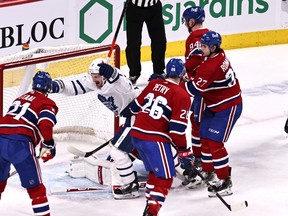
(115, 95)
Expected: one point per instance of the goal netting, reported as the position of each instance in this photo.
(81, 117)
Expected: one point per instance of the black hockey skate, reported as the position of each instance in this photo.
(128, 191)
(222, 187)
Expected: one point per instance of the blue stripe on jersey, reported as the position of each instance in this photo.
(31, 116)
(191, 88)
(219, 84)
(47, 114)
(77, 86)
(177, 127)
(166, 111)
(224, 101)
(81, 86)
(11, 126)
(151, 132)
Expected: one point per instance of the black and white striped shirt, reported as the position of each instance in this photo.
(144, 3)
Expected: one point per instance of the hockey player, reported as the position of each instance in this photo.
(193, 17)
(30, 118)
(116, 92)
(162, 111)
(215, 80)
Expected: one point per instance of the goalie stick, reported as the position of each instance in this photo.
(89, 189)
(80, 153)
(117, 30)
(234, 207)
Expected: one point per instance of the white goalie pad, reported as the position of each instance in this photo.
(96, 170)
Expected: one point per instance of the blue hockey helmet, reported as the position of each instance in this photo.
(195, 12)
(175, 68)
(42, 81)
(212, 38)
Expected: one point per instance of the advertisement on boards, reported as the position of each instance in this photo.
(64, 22)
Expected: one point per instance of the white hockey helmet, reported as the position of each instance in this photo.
(94, 68)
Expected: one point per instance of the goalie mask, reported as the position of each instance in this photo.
(93, 71)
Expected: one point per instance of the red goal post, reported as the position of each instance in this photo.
(81, 114)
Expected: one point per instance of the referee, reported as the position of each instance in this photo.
(148, 12)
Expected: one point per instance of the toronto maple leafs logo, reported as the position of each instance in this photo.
(109, 103)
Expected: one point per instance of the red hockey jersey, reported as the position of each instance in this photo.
(32, 114)
(193, 53)
(217, 82)
(162, 110)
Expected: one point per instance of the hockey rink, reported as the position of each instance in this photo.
(258, 149)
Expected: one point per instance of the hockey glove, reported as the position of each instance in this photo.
(57, 86)
(47, 150)
(156, 76)
(186, 158)
(106, 70)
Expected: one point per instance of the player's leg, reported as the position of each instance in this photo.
(4, 165)
(124, 178)
(198, 107)
(122, 145)
(156, 31)
(222, 122)
(28, 168)
(207, 162)
(158, 160)
(134, 27)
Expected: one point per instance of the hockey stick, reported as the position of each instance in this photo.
(80, 153)
(71, 190)
(117, 30)
(89, 189)
(234, 207)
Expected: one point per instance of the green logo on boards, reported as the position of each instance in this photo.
(99, 14)
(89, 16)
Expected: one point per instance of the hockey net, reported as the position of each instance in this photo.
(81, 117)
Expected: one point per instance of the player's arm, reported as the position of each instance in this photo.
(179, 119)
(139, 102)
(46, 122)
(110, 73)
(73, 87)
(201, 81)
(178, 125)
(113, 75)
